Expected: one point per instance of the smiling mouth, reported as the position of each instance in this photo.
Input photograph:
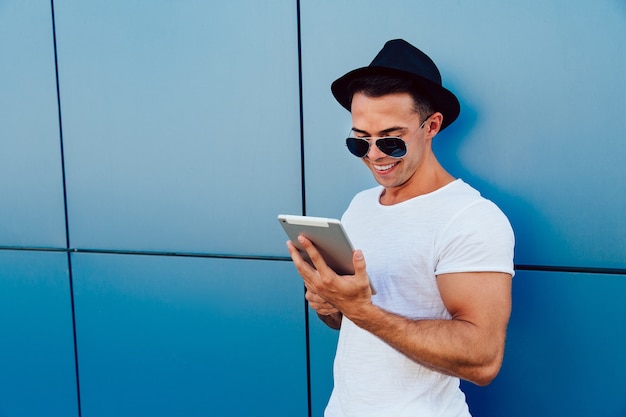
(381, 168)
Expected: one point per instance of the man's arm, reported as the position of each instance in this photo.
(469, 346)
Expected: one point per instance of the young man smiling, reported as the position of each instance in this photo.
(439, 255)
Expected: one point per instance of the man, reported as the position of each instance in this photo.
(439, 255)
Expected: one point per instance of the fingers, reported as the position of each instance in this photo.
(320, 305)
(309, 274)
(330, 293)
(316, 258)
(314, 298)
(319, 269)
(295, 253)
(303, 267)
(324, 309)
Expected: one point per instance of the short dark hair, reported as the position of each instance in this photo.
(380, 85)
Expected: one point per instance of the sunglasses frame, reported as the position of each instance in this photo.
(392, 146)
(381, 145)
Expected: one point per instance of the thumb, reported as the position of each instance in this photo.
(358, 260)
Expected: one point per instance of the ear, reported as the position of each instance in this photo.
(433, 125)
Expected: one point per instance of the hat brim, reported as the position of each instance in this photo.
(443, 100)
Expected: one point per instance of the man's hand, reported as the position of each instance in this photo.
(321, 306)
(327, 292)
(326, 312)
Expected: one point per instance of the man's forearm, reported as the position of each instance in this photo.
(449, 346)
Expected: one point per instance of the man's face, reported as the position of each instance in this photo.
(392, 115)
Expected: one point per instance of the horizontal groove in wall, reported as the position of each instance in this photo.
(150, 253)
(574, 269)
(539, 268)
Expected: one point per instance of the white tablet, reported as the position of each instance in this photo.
(328, 237)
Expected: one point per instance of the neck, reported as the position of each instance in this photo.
(423, 182)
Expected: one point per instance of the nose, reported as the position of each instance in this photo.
(374, 153)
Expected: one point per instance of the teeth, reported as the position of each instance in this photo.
(383, 167)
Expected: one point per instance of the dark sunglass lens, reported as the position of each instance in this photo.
(394, 147)
(358, 147)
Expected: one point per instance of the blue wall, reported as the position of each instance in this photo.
(147, 147)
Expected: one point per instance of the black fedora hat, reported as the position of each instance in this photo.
(400, 58)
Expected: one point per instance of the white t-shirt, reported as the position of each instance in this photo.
(406, 246)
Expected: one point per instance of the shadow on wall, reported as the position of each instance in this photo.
(564, 353)
(522, 215)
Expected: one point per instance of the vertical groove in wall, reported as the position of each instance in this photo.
(302, 170)
(67, 230)
(303, 196)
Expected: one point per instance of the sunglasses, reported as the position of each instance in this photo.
(392, 146)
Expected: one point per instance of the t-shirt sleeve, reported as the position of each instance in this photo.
(477, 239)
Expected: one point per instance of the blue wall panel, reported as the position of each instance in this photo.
(323, 341)
(541, 130)
(181, 133)
(31, 187)
(37, 369)
(180, 118)
(163, 336)
(565, 349)
(564, 353)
